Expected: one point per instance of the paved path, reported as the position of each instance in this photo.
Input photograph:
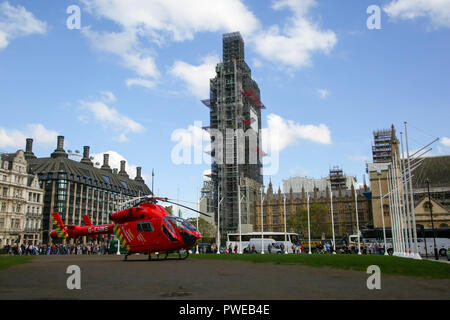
(108, 277)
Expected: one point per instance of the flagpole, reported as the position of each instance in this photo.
(285, 229)
(413, 214)
(309, 226)
(332, 219)
(198, 210)
(357, 218)
(153, 178)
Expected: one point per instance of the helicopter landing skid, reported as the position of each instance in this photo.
(163, 256)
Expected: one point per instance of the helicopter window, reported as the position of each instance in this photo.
(145, 227)
(168, 230)
(180, 223)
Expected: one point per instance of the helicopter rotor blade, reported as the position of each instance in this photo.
(166, 200)
(153, 197)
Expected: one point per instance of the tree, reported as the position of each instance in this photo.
(207, 230)
(318, 221)
(169, 209)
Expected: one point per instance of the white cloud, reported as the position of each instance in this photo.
(168, 19)
(445, 141)
(323, 93)
(438, 11)
(153, 23)
(17, 22)
(110, 117)
(127, 47)
(283, 133)
(140, 83)
(294, 44)
(196, 77)
(157, 21)
(16, 138)
(114, 162)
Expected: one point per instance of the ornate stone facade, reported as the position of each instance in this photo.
(21, 201)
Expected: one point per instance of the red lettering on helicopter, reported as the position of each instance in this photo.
(97, 229)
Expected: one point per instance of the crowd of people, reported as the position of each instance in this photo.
(61, 249)
(104, 248)
(322, 248)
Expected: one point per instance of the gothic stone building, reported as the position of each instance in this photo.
(343, 208)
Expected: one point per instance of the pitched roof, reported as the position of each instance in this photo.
(57, 165)
(437, 169)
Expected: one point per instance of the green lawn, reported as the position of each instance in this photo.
(388, 264)
(9, 261)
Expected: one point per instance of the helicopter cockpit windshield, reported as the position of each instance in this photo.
(180, 223)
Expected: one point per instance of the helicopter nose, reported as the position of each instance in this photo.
(189, 238)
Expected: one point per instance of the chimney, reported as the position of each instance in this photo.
(59, 151)
(114, 170)
(138, 175)
(122, 171)
(86, 159)
(29, 150)
(105, 165)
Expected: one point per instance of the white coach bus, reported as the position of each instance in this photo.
(253, 237)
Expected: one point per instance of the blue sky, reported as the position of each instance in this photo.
(120, 82)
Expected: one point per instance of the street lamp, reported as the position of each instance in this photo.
(240, 219)
(262, 221)
(218, 219)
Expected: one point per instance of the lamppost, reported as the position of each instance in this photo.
(240, 219)
(218, 219)
(262, 221)
(430, 205)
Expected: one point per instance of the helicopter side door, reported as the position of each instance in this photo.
(145, 236)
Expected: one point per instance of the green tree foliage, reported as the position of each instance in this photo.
(206, 229)
(169, 209)
(318, 221)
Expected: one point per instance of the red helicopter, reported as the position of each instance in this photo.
(144, 228)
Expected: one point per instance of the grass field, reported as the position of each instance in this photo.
(388, 264)
(9, 261)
